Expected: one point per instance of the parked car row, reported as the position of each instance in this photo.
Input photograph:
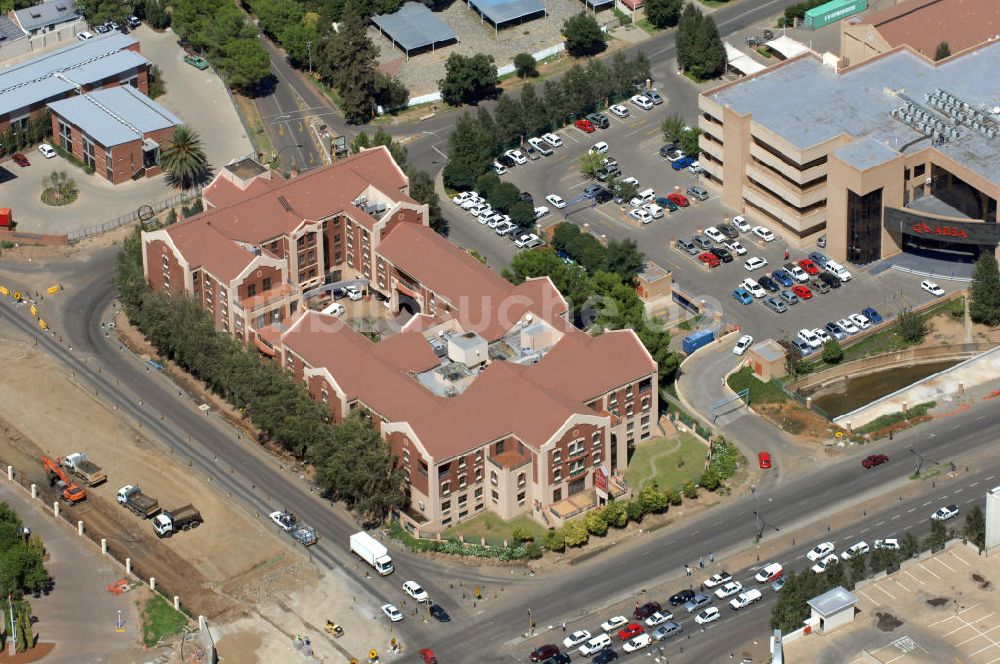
(536, 148)
(499, 223)
(808, 341)
(414, 591)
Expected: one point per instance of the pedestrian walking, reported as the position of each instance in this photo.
(564, 625)
(786, 254)
(701, 562)
(711, 557)
(687, 570)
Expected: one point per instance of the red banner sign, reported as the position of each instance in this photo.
(922, 228)
(600, 480)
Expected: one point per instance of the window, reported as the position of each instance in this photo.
(446, 487)
(266, 286)
(109, 165)
(596, 438)
(445, 505)
(88, 152)
(597, 459)
(406, 453)
(326, 399)
(575, 449)
(479, 474)
(645, 403)
(479, 492)
(645, 384)
(479, 456)
(645, 422)
(557, 456)
(463, 499)
(919, 170)
(499, 448)
(65, 136)
(576, 467)
(495, 496)
(520, 498)
(463, 514)
(302, 241)
(461, 463)
(557, 475)
(521, 479)
(446, 522)
(493, 477)
(864, 227)
(629, 410)
(251, 290)
(462, 482)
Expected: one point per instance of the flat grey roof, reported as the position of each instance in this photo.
(10, 31)
(769, 349)
(503, 11)
(866, 153)
(113, 116)
(858, 102)
(414, 26)
(82, 63)
(833, 601)
(50, 12)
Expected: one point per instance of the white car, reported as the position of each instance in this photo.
(499, 168)
(754, 263)
(476, 208)
(810, 338)
(658, 618)
(463, 196)
(619, 110)
(711, 614)
(630, 180)
(822, 334)
(556, 201)
(837, 269)
(927, 285)
(859, 549)
(637, 643)
(717, 579)
(284, 520)
(769, 573)
(413, 589)
(541, 211)
(654, 210)
(763, 233)
(861, 321)
(892, 544)
(642, 101)
(537, 143)
(798, 274)
(848, 326)
(729, 589)
(715, 234)
(753, 287)
(641, 215)
(47, 150)
(736, 248)
(487, 213)
(945, 513)
(599, 148)
(516, 155)
(745, 599)
(595, 645)
(495, 219)
(696, 168)
(611, 624)
(353, 294)
(742, 344)
(471, 202)
(576, 638)
(391, 612)
(504, 227)
(820, 550)
(552, 140)
(821, 565)
(740, 222)
(527, 241)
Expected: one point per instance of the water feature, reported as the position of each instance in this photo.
(844, 396)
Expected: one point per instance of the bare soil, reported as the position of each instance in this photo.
(796, 419)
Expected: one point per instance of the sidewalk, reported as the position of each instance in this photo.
(79, 616)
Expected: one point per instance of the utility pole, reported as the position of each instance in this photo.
(13, 630)
(309, 48)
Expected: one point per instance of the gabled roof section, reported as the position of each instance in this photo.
(116, 115)
(50, 12)
(204, 247)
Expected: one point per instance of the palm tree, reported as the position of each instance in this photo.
(184, 159)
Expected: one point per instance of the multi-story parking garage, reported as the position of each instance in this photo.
(898, 154)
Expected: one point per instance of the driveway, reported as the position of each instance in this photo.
(214, 118)
(79, 616)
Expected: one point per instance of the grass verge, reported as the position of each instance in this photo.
(647, 26)
(668, 462)
(255, 125)
(888, 420)
(760, 392)
(160, 621)
(495, 529)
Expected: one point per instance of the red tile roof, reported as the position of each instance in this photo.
(204, 247)
(923, 24)
(222, 192)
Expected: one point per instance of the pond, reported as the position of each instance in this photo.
(845, 396)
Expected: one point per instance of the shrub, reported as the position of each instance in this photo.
(833, 352)
(653, 500)
(635, 511)
(690, 490)
(521, 534)
(710, 479)
(554, 541)
(596, 525)
(911, 326)
(575, 533)
(725, 459)
(525, 65)
(616, 514)
(674, 497)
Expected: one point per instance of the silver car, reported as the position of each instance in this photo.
(666, 630)
(697, 602)
(698, 192)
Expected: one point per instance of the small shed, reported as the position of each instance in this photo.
(767, 359)
(833, 609)
(653, 281)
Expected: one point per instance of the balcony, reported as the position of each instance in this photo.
(509, 460)
(279, 294)
(792, 173)
(781, 187)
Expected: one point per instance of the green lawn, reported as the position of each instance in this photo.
(160, 621)
(669, 462)
(647, 26)
(494, 529)
(760, 392)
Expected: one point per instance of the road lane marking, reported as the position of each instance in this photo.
(895, 517)
(973, 484)
(959, 490)
(971, 500)
(968, 609)
(912, 509)
(866, 596)
(907, 572)
(900, 584)
(958, 557)
(989, 478)
(946, 566)
(907, 528)
(981, 417)
(879, 523)
(864, 530)
(927, 503)
(943, 620)
(891, 596)
(924, 567)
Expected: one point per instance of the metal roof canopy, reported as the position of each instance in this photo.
(46, 14)
(787, 47)
(414, 27)
(741, 62)
(833, 601)
(113, 116)
(498, 12)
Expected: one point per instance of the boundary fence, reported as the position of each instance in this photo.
(129, 217)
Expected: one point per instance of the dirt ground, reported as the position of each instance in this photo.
(796, 419)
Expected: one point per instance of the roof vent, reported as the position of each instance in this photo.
(285, 204)
(35, 14)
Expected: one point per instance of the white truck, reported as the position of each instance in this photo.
(372, 552)
(168, 522)
(88, 471)
(745, 599)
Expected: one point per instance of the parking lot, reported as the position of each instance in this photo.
(634, 142)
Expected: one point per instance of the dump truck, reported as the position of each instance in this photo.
(168, 522)
(132, 497)
(68, 489)
(372, 552)
(88, 471)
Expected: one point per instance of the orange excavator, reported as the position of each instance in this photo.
(71, 491)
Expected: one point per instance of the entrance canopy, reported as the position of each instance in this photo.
(742, 62)
(499, 12)
(414, 27)
(787, 47)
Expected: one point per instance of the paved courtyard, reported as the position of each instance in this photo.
(212, 115)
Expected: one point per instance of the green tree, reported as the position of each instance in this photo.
(522, 213)
(575, 533)
(390, 93)
(664, 13)
(794, 362)
(708, 60)
(710, 480)
(469, 156)
(157, 87)
(525, 65)
(156, 16)
(422, 191)
(555, 103)
(184, 160)
(503, 196)
(468, 79)
(509, 118)
(583, 35)
(859, 569)
(623, 191)
(689, 142)
(347, 62)
(653, 500)
(912, 326)
(942, 51)
(486, 183)
(909, 546)
(939, 535)
(590, 163)
(687, 34)
(615, 514)
(635, 511)
(532, 110)
(833, 352)
(672, 127)
(622, 257)
(595, 523)
(984, 292)
(245, 65)
(554, 541)
(975, 527)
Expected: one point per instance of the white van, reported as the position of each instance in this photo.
(335, 309)
(595, 645)
(744, 599)
(644, 196)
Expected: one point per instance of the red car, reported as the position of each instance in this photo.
(630, 630)
(764, 460)
(428, 656)
(809, 267)
(646, 610)
(802, 291)
(678, 199)
(710, 258)
(21, 160)
(585, 125)
(873, 460)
